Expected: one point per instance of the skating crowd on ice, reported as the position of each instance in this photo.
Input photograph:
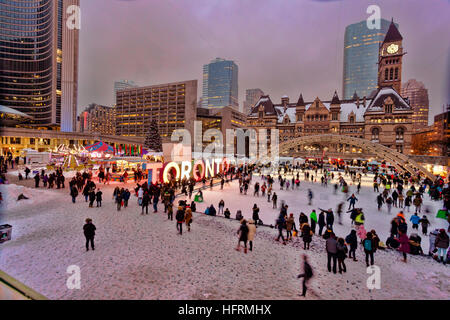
(398, 192)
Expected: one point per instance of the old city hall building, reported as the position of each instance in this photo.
(385, 117)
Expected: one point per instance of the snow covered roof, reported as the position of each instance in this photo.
(282, 112)
(268, 106)
(348, 108)
(8, 110)
(382, 94)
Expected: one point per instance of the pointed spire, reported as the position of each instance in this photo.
(300, 102)
(393, 34)
(335, 99)
(355, 96)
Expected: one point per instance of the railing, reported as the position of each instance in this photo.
(12, 289)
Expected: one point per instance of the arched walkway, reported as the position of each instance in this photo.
(399, 160)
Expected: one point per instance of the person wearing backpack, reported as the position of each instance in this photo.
(352, 241)
(368, 248)
(306, 275)
(341, 254)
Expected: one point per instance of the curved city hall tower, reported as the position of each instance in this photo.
(390, 59)
(39, 61)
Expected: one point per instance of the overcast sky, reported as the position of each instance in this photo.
(280, 46)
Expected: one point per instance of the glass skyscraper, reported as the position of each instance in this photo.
(39, 61)
(361, 46)
(220, 84)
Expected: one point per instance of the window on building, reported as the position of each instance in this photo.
(375, 134)
(386, 74)
(396, 74)
(391, 73)
(399, 133)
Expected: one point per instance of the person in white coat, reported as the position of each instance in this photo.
(140, 195)
(251, 232)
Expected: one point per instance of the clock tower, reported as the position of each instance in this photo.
(390, 59)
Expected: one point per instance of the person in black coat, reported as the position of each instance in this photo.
(306, 275)
(98, 197)
(321, 222)
(89, 232)
(36, 180)
(91, 198)
(352, 241)
(180, 219)
(145, 202)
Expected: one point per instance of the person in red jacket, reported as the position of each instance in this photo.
(404, 244)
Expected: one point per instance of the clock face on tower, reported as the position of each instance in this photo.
(393, 48)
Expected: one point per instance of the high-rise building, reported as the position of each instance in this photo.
(98, 119)
(172, 105)
(123, 84)
(220, 84)
(361, 46)
(39, 61)
(417, 94)
(251, 98)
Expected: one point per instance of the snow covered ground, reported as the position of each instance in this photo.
(142, 257)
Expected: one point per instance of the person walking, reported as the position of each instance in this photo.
(89, 233)
(98, 198)
(73, 193)
(243, 235)
(306, 235)
(341, 254)
(289, 225)
(321, 222)
(274, 200)
(170, 211)
(255, 214)
(368, 248)
(313, 218)
(404, 244)
(188, 219)
(352, 241)
(425, 223)
(306, 275)
(415, 219)
(251, 233)
(145, 202)
(280, 225)
(180, 219)
(441, 243)
(331, 249)
(91, 198)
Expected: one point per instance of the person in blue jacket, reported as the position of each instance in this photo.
(415, 219)
(352, 200)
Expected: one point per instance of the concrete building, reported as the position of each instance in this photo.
(251, 97)
(98, 118)
(172, 105)
(417, 95)
(221, 119)
(220, 84)
(361, 57)
(39, 61)
(122, 85)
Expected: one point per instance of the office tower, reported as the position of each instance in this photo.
(98, 119)
(172, 105)
(251, 98)
(39, 61)
(123, 84)
(417, 95)
(361, 46)
(220, 84)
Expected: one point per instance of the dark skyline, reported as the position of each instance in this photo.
(282, 47)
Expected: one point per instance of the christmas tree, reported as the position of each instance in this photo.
(153, 139)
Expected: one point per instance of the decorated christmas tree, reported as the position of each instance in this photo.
(153, 139)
